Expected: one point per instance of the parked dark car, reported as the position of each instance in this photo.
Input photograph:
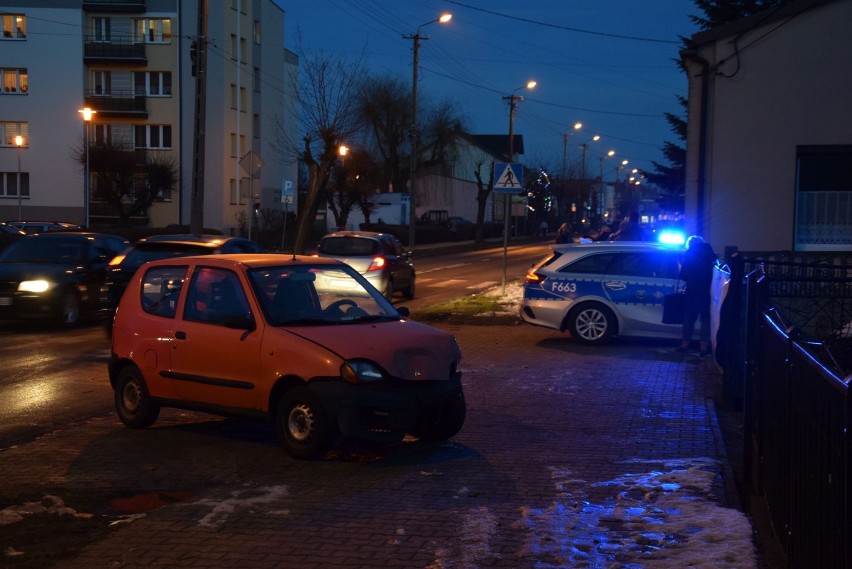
(9, 234)
(123, 266)
(57, 275)
(380, 257)
(30, 227)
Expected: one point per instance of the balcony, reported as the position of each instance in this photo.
(121, 50)
(115, 6)
(120, 104)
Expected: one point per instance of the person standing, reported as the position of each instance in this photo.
(563, 234)
(697, 272)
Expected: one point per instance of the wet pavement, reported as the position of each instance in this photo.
(571, 456)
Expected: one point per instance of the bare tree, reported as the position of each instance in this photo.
(482, 193)
(327, 95)
(129, 185)
(384, 107)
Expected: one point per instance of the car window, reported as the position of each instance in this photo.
(348, 246)
(650, 264)
(161, 288)
(215, 295)
(595, 263)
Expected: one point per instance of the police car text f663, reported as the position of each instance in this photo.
(595, 291)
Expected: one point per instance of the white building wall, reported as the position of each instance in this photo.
(786, 86)
(50, 109)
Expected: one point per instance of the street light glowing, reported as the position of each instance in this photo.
(343, 150)
(19, 140)
(531, 84)
(578, 126)
(596, 137)
(87, 113)
(445, 18)
(611, 153)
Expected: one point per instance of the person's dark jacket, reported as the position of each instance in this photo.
(697, 272)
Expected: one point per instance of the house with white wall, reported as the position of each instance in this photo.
(769, 139)
(449, 186)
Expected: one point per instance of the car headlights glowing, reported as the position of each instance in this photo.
(40, 285)
(361, 371)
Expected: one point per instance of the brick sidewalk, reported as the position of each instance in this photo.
(553, 429)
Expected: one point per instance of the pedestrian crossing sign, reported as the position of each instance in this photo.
(508, 177)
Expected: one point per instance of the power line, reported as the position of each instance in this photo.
(566, 28)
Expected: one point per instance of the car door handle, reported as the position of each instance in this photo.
(616, 285)
(179, 335)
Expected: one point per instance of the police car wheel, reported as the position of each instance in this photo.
(591, 323)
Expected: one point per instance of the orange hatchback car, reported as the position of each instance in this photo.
(304, 342)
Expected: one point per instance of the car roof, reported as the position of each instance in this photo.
(66, 234)
(599, 246)
(364, 234)
(248, 260)
(192, 238)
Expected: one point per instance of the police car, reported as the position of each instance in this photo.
(596, 291)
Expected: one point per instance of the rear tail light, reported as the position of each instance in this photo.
(377, 264)
(535, 278)
(116, 260)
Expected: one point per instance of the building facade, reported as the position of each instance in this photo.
(769, 141)
(131, 62)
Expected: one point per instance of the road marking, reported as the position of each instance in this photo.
(444, 267)
(451, 282)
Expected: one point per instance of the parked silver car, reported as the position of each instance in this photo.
(595, 291)
(380, 257)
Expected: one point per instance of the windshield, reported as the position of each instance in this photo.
(318, 294)
(54, 250)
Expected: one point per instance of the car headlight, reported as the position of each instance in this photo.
(39, 285)
(361, 371)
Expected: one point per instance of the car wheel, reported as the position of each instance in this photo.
(591, 323)
(302, 425)
(409, 292)
(69, 309)
(442, 421)
(133, 403)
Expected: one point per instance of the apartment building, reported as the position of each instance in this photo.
(131, 63)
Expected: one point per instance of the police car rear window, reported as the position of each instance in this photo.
(590, 264)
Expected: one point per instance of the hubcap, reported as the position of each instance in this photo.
(591, 324)
(300, 422)
(131, 396)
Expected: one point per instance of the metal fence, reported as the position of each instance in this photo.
(784, 349)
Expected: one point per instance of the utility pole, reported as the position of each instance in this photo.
(196, 218)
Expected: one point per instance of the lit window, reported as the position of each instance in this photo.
(14, 26)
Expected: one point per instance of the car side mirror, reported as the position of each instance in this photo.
(239, 322)
(404, 311)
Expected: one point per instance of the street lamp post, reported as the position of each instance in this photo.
(513, 104)
(87, 117)
(565, 136)
(416, 37)
(19, 142)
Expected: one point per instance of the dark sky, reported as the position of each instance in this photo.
(609, 64)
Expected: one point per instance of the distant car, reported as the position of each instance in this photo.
(31, 227)
(123, 266)
(9, 234)
(305, 342)
(380, 257)
(57, 275)
(596, 291)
